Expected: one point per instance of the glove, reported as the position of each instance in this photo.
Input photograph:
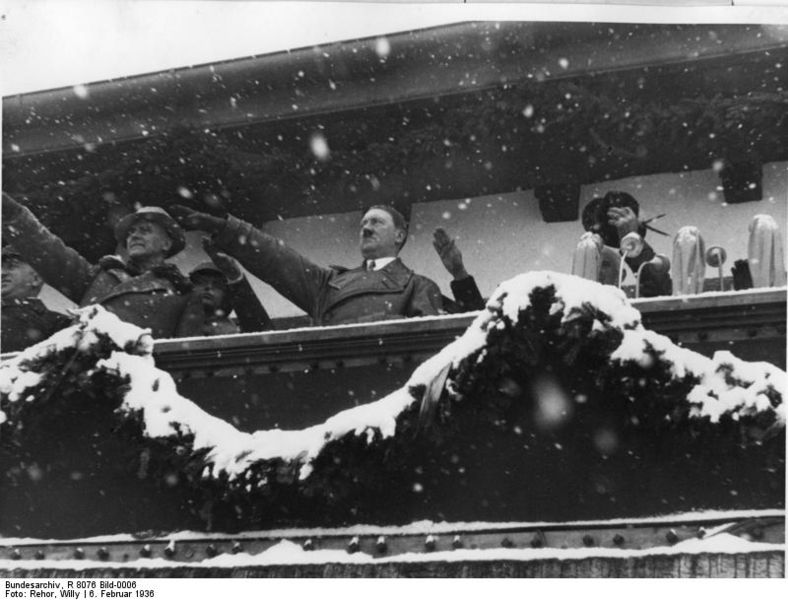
(449, 254)
(226, 264)
(192, 220)
(623, 219)
(11, 208)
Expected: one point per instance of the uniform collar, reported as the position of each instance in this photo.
(17, 301)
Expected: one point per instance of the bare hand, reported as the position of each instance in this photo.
(226, 264)
(192, 220)
(623, 219)
(449, 253)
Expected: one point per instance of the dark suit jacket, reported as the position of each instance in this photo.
(334, 295)
(467, 296)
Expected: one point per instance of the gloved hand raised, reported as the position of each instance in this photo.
(450, 255)
(192, 220)
(226, 264)
(624, 219)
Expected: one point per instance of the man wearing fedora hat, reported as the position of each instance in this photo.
(382, 287)
(142, 289)
(25, 318)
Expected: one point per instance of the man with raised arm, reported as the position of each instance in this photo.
(463, 286)
(382, 287)
(143, 290)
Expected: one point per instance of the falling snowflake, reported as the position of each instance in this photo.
(382, 47)
(80, 91)
(605, 441)
(552, 406)
(319, 146)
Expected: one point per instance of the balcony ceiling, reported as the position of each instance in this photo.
(448, 112)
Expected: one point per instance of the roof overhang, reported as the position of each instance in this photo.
(360, 74)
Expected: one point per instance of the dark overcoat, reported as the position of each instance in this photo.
(26, 322)
(155, 299)
(330, 295)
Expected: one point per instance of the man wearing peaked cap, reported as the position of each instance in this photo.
(382, 287)
(143, 289)
(25, 318)
(220, 288)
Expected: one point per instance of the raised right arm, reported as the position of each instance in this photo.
(264, 256)
(270, 259)
(60, 266)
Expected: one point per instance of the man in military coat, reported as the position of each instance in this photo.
(382, 287)
(25, 318)
(140, 288)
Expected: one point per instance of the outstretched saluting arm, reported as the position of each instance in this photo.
(60, 266)
(264, 256)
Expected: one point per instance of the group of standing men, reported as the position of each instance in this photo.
(142, 288)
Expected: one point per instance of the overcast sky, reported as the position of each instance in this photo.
(53, 43)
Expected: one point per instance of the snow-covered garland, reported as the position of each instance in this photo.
(554, 362)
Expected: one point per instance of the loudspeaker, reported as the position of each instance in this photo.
(741, 182)
(558, 202)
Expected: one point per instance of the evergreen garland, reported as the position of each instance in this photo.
(75, 460)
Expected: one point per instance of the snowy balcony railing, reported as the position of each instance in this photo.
(253, 379)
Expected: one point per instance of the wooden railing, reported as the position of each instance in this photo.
(300, 377)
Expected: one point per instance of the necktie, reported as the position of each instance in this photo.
(370, 265)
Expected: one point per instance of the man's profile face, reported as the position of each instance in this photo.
(146, 239)
(379, 237)
(19, 279)
(211, 288)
